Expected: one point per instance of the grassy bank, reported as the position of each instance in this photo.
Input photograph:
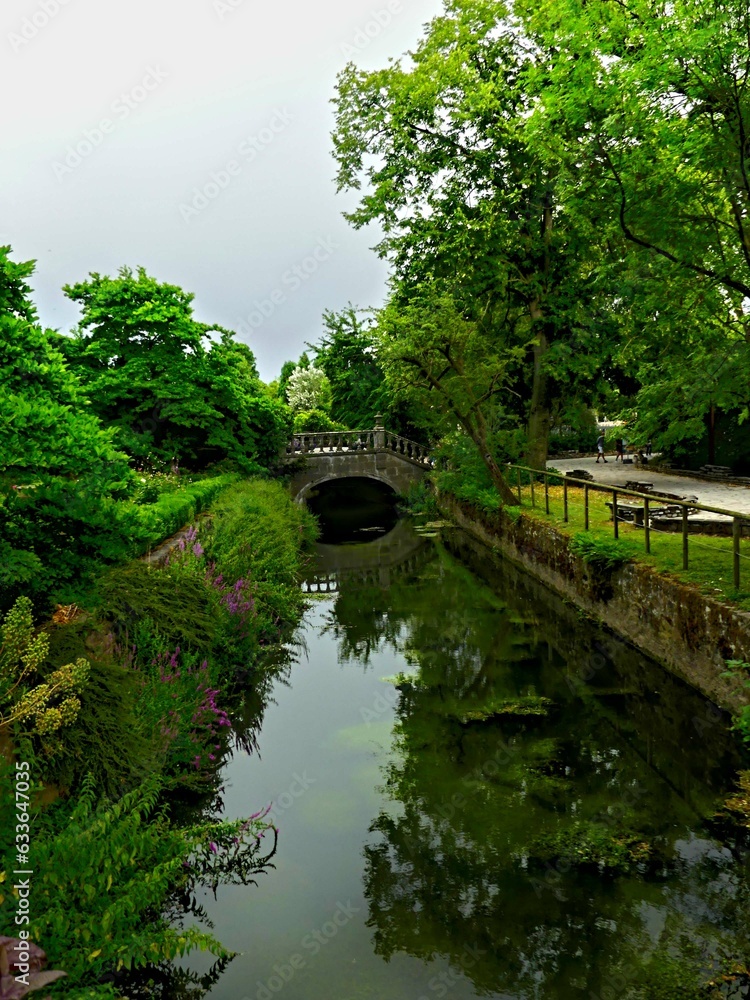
(56, 542)
(133, 745)
(710, 559)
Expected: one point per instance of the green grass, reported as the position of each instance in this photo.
(709, 557)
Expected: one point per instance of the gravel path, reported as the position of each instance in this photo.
(713, 494)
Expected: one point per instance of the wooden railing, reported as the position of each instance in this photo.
(352, 442)
(622, 508)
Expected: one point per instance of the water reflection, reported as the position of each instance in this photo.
(520, 810)
(353, 510)
(549, 853)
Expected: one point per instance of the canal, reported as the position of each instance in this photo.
(478, 792)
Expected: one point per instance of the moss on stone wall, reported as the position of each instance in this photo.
(688, 632)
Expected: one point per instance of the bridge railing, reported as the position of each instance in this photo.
(332, 442)
(409, 449)
(346, 442)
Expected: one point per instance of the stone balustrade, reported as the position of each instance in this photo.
(366, 442)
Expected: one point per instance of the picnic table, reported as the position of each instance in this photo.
(627, 512)
(639, 487)
(636, 512)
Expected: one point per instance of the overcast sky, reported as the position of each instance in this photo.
(191, 137)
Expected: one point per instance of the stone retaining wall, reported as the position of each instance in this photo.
(691, 634)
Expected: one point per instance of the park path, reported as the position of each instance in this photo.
(713, 494)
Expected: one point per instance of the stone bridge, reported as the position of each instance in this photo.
(374, 454)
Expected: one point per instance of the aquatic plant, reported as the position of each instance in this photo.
(593, 845)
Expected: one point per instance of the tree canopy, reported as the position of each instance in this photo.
(175, 388)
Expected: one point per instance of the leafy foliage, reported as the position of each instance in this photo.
(603, 554)
(315, 422)
(470, 211)
(348, 354)
(51, 704)
(309, 389)
(102, 875)
(149, 372)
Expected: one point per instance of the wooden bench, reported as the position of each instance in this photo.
(638, 487)
(627, 512)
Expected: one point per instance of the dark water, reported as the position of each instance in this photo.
(432, 844)
(353, 510)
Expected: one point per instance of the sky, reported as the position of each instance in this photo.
(192, 138)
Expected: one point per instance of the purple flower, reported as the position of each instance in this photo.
(213, 848)
(198, 550)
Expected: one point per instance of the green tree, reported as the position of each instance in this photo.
(175, 388)
(449, 371)
(645, 113)
(646, 107)
(348, 354)
(46, 424)
(469, 207)
(56, 460)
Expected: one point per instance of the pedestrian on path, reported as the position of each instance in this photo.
(619, 449)
(600, 448)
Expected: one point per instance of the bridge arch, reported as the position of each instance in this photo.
(330, 477)
(387, 458)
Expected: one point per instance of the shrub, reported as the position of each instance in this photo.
(315, 422)
(603, 554)
(419, 500)
(104, 874)
(740, 670)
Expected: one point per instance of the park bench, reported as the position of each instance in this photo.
(627, 512)
(635, 512)
(579, 474)
(720, 471)
(673, 509)
(639, 487)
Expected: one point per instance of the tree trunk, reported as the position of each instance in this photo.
(507, 496)
(539, 414)
(712, 434)
(477, 431)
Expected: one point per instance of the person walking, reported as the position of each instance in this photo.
(619, 449)
(600, 448)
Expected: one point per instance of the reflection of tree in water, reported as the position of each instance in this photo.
(516, 844)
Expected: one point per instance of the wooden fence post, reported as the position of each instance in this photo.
(736, 536)
(586, 507)
(684, 537)
(615, 516)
